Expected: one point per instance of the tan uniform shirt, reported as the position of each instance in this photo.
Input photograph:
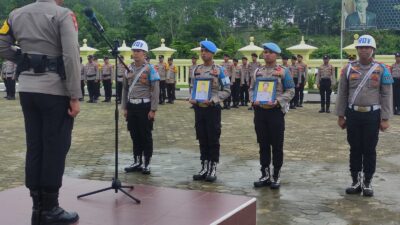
(144, 88)
(294, 71)
(107, 72)
(191, 68)
(217, 75)
(228, 66)
(91, 71)
(284, 85)
(120, 72)
(396, 71)
(303, 72)
(326, 72)
(245, 74)
(253, 67)
(44, 28)
(83, 75)
(171, 74)
(162, 70)
(236, 73)
(9, 69)
(377, 90)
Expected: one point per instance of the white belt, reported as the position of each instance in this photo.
(139, 100)
(364, 108)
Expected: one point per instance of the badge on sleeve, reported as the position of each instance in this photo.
(74, 21)
(5, 29)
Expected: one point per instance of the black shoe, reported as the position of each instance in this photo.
(53, 214)
(292, 107)
(355, 187)
(322, 110)
(265, 179)
(212, 172)
(35, 219)
(367, 189)
(328, 111)
(299, 105)
(136, 165)
(202, 174)
(276, 180)
(146, 168)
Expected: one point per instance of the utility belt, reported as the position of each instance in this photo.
(137, 101)
(106, 75)
(325, 78)
(365, 108)
(266, 106)
(40, 64)
(10, 73)
(92, 75)
(203, 105)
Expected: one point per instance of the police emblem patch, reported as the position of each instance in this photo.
(5, 29)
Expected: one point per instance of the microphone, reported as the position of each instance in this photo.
(92, 17)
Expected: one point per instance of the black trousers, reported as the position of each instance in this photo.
(363, 136)
(171, 92)
(236, 92)
(270, 127)
(10, 86)
(91, 85)
(301, 90)
(5, 84)
(83, 88)
(107, 89)
(97, 87)
(295, 100)
(208, 131)
(228, 100)
(119, 90)
(48, 130)
(325, 91)
(140, 128)
(163, 91)
(396, 94)
(244, 93)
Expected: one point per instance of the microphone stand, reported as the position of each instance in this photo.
(116, 183)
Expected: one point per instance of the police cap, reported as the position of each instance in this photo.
(209, 45)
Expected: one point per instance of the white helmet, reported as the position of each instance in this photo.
(141, 45)
(366, 40)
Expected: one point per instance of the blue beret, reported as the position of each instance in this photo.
(209, 45)
(273, 47)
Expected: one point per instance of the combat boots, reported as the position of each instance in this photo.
(265, 179)
(355, 187)
(53, 214)
(202, 174)
(146, 168)
(212, 171)
(35, 219)
(136, 166)
(367, 188)
(322, 110)
(276, 180)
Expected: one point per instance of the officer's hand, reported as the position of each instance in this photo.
(74, 107)
(384, 125)
(207, 102)
(318, 86)
(342, 122)
(256, 103)
(193, 102)
(151, 115)
(272, 103)
(125, 113)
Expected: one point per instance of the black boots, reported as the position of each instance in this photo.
(146, 168)
(52, 213)
(367, 187)
(276, 180)
(136, 166)
(212, 172)
(327, 108)
(202, 174)
(355, 187)
(35, 219)
(322, 109)
(265, 179)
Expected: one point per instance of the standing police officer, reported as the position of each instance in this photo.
(8, 72)
(269, 118)
(140, 98)
(208, 113)
(171, 80)
(244, 82)
(83, 80)
(162, 68)
(254, 65)
(120, 78)
(235, 79)
(228, 67)
(364, 105)
(91, 71)
(49, 87)
(325, 81)
(396, 85)
(106, 75)
(294, 72)
(303, 75)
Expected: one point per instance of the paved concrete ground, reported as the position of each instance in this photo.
(314, 174)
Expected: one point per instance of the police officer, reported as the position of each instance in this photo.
(229, 70)
(107, 74)
(364, 106)
(269, 118)
(208, 113)
(91, 74)
(97, 83)
(48, 95)
(303, 71)
(294, 72)
(244, 82)
(396, 86)
(191, 68)
(8, 74)
(120, 77)
(325, 81)
(254, 64)
(83, 80)
(162, 68)
(171, 80)
(285, 60)
(140, 97)
(235, 88)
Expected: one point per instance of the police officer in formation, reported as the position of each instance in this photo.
(244, 82)
(208, 113)
(120, 77)
(162, 68)
(107, 75)
(83, 80)
(302, 76)
(269, 118)
(91, 74)
(228, 68)
(140, 98)
(254, 64)
(49, 90)
(235, 80)
(396, 85)
(97, 83)
(191, 68)
(8, 73)
(171, 80)
(364, 106)
(326, 80)
(294, 72)
(285, 62)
